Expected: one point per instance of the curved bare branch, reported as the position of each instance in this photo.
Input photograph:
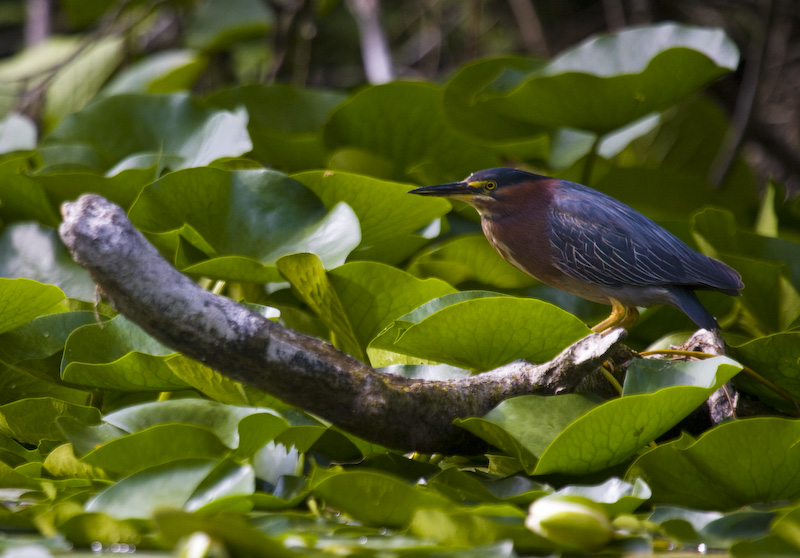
(402, 413)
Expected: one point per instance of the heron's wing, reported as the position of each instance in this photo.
(598, 239)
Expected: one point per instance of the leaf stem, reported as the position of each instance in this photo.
(611, 379)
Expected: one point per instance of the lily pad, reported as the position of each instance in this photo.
(253, 216)
(117, 355)
(630, 74)
(686, 472)
(172, 126)
(484, 333)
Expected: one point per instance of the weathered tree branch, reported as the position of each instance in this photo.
(402, 413)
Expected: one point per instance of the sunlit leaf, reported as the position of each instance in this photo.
(156, 445)
(525, 426)
(222, 420)
(141, 494)
(630, 74)
(307, 276)
(22, 300)
(615, 430)
(76, 82)
(484, 333)
(375, 498)
(33, 420)
(117, 355)
(258, 214)
(578, 436)
(163, 72)
(374, 294)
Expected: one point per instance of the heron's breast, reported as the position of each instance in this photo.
(527, 247)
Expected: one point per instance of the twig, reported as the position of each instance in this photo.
(32, 96)
(745, 100)
(374, 46)
(745, 369)
(530, 27)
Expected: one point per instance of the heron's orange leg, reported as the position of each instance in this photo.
(621, 316)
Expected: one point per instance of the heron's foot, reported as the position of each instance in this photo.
(621, 316)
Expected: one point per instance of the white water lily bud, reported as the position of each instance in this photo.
(573, 522)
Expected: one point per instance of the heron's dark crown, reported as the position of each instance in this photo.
(505, 176)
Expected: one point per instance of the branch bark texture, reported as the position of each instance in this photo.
(401, 413)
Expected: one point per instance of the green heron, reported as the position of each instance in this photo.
(589, 244)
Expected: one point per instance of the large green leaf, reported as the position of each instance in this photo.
(122, 187)
(479, 120)
(375, 498)
(614, 431)
(163, 72)
(76, 83)
(172, 127)
(22, 300)
(157, 445)
(610, 81)
(374, 294)
(469, 257)
(384, 209)
(285, 122)
(117, 355)
(139, 495)
(524, 427)
(411, 140)
(776, 358)
(678, 158)
(220, 388)
(579, 439)
(32, 420)
(33, 348)
(714, 472)
(484, 333)
(35, 252)
(245, 221)
(223, 420)
(310, 282)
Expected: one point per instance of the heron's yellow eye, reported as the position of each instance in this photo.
(490, 185)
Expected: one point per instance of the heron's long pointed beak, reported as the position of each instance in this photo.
(453, 190)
